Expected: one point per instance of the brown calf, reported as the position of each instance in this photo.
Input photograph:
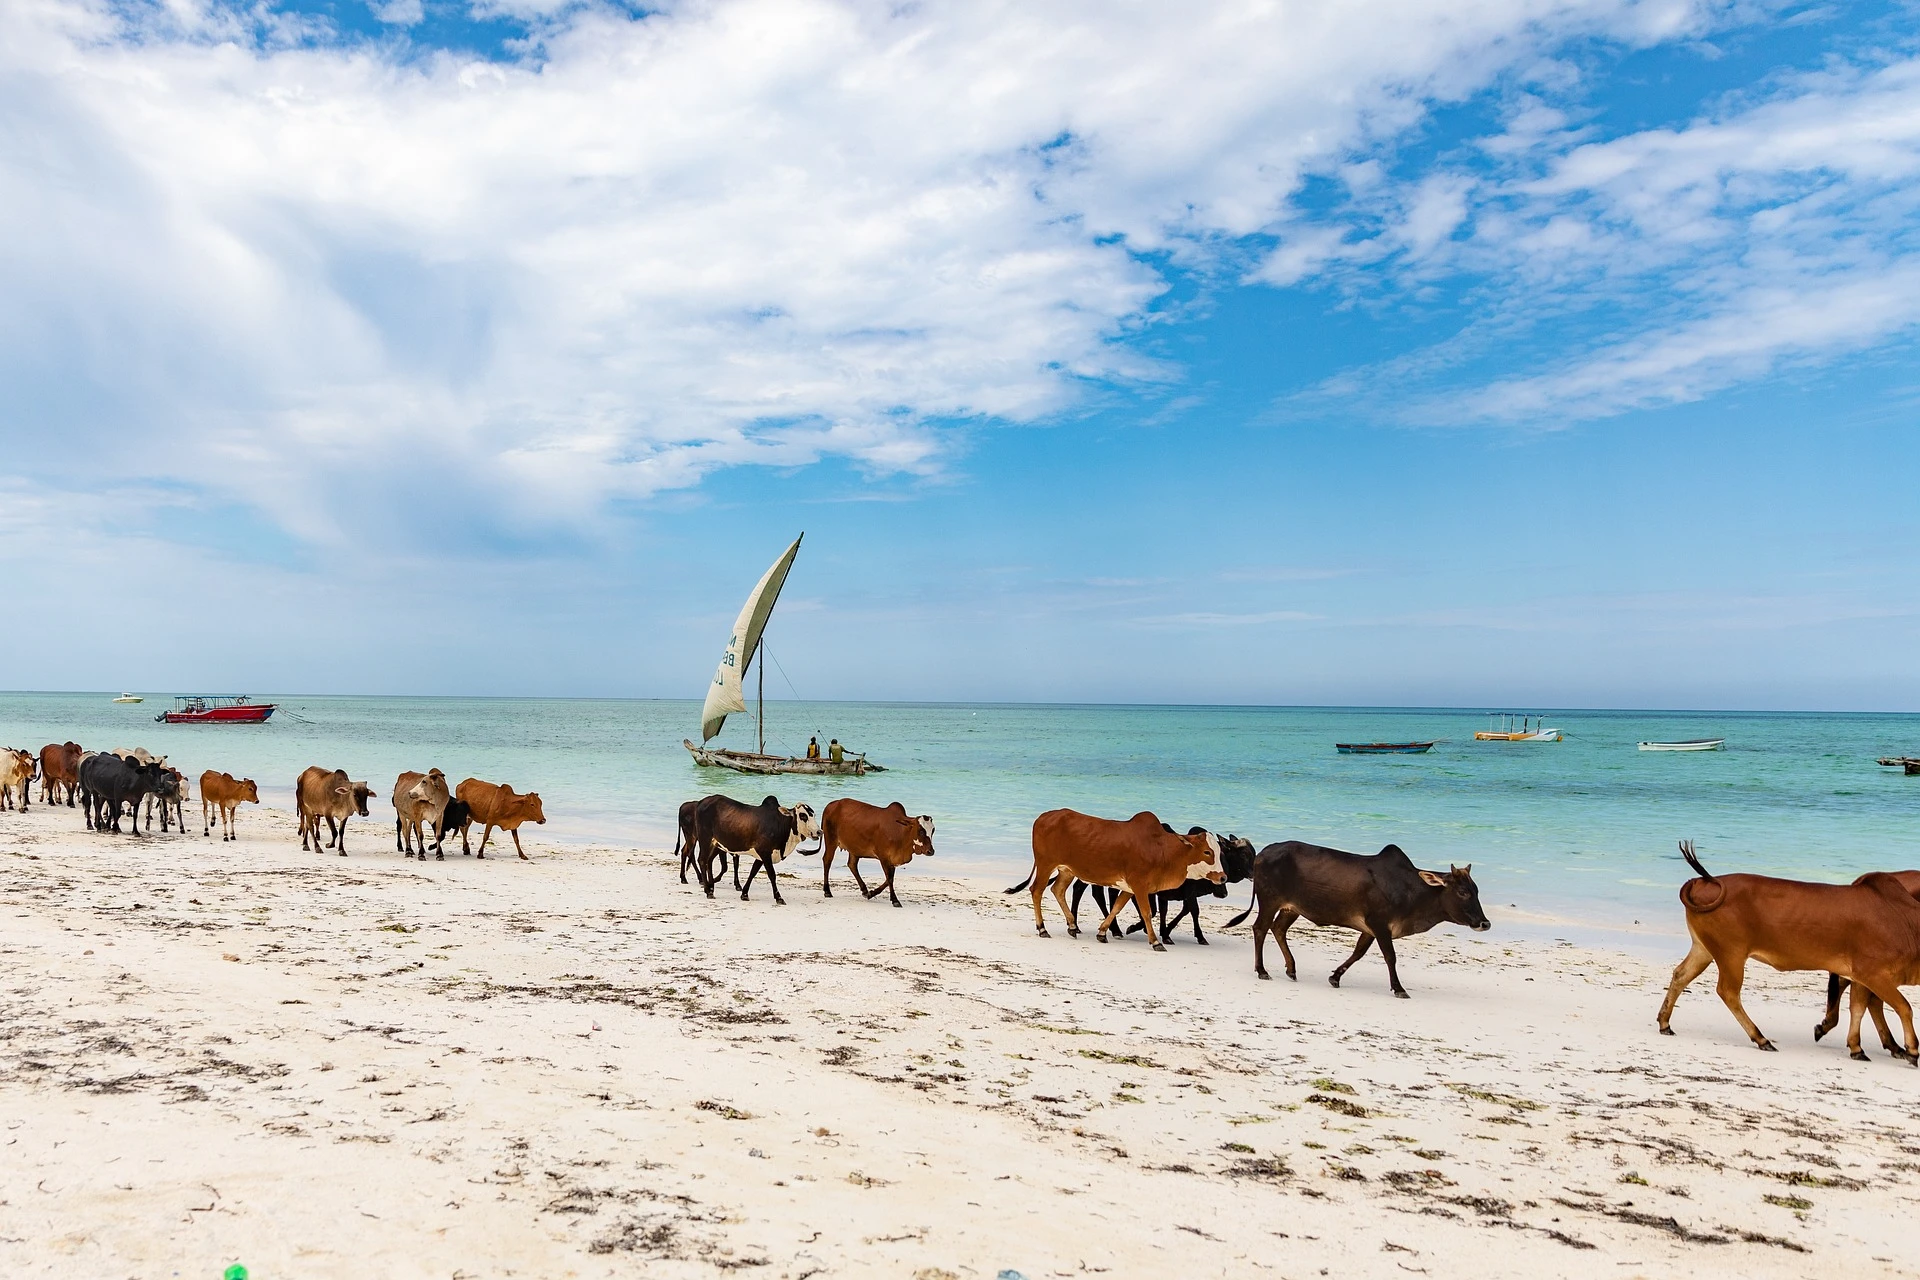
(1868, 931)
(496, 805)
(60, 767)
(224, 793)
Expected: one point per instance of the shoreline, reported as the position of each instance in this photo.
(574, 1066)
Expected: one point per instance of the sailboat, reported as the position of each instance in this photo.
(725, 695)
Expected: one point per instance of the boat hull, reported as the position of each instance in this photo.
(754, 762)
(252, 713)
(1697, 744)
(1383, 748)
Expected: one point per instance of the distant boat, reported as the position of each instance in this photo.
(725, 695)
(1383, 748)
(202, 708)
(1691, 744)
(1911, 764)
(1530, 729)
(129, 697)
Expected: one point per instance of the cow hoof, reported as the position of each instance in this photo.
(1264, 977)
(1074, 933)
(1159, 946)
(1044, 933)
(1765, 1046)
(1333, 981)
(1666, 1031)
(1820, 1029)
(1401, 995)
(827, 893)
(896, 904)
(1203, 942)
(1859, 1055)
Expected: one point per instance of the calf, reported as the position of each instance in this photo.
(769, 831)
(1868, 931)
(1139, 857)
(60, 768)
(889, 836)
(332, 795)
(222, 792)
(1384, 896)
(17, 772)
(498, 805)
(686, 840)
(419, 800)
(455, 817)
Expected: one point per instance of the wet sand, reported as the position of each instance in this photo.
(576, 1066)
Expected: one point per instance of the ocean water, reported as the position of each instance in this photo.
(1583, 829)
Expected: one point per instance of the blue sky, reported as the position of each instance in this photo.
(1550, 354)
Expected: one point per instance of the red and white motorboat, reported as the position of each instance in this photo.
(207, 709)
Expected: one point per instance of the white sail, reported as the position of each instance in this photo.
(724, 695)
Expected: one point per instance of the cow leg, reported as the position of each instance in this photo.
(439, 848)
(1393, 962)
(1119, 901)
(1038, 887)
(486, 831)
(1261, 923)
(1684, 973)
(1060, 886)
(703, 866)
(1732, 975)
(1359, 949)
(1898, 1001)
(827, 850)
(752, 871)
(515, 833)
(853, 865)
(399, 832)
(891, 895)
(1146, 922)
(1193, 908)
(1283, 921)
(1876, 1008)
(773, 880)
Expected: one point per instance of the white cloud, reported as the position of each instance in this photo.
(728, 232)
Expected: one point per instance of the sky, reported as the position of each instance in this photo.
(1498, 353)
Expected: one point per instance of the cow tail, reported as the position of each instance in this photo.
(1705, 893)
(1022, 885)
(1252, 902)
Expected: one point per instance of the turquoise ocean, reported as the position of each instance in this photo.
(1582, 830)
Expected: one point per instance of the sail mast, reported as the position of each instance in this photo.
(763, 698)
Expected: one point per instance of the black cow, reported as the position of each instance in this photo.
(107, 782)
(1384, 896)
(455, 817)
(767, 830)
(687, 840)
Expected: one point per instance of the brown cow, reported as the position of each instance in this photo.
(17, 772)
(1868, 931)
(889, 836)
(419, 798)
(496, 805)
(60, 767)
(329, 794)
(1140, 857)
(222, 792)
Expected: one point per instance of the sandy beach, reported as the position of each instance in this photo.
(576, 1066)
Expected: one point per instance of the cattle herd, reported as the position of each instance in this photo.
(105, 785)
(1865, 936)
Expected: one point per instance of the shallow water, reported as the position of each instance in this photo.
(1584, 828)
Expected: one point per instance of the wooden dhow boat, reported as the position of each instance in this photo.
(1910, 764)
(725, 696)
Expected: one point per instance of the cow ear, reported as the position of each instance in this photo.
(1433, 878)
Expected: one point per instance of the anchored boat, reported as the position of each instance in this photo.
(1691, 744)
(203, 708)
(725, 696)
(1530, 729)
(129, 697)
(1383, 748)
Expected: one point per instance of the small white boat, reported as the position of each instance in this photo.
(129, 697)
(1691, 744)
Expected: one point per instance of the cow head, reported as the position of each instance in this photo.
(361, 793)
(1203, 856)
(533, 809)
(1459, 896)
(248, 791)
(163, 782)
(923, 835)
(806, 826)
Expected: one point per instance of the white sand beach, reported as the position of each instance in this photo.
(578, 1067)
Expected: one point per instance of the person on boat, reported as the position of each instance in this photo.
(813, 748)
(836, 752)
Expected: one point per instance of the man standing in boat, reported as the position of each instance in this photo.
(813, 748)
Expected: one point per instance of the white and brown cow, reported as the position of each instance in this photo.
(890, 836)
(768, 831)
